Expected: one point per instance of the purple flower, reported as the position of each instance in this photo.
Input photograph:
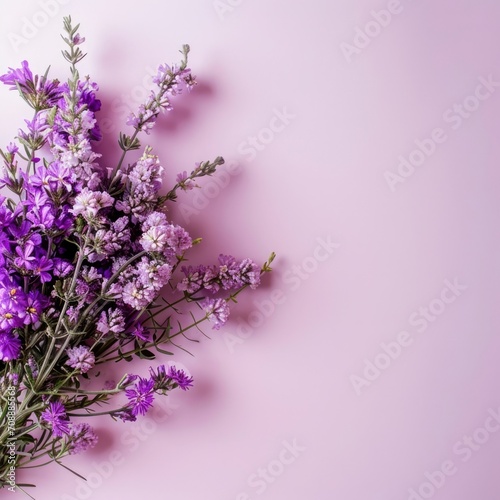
(81, 437)
(35, 304)
(62, 267)
(249, 273)
(25, 259)
(141, 333)
(60, 178)
(33, 367)
(234, 274)
(193, 280)
(22, 76)
(112, 321)
(42, 217)
(154, 219)
(88, 96)
(229, 272)
(35, 128)
(155, 239)
(12, 148)
(141, 396)
(180, 378)
(178, 239)
(80, 358)
(40, 92)
(55, 416)
(137, 295)
(160, 378)
(42, 267)
(6, 215)
(153, 273)
(12, 307)
(185, 183)
(146, 118)
(199, 277)
(10, 346)
(217, 311)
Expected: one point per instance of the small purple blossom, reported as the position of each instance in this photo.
(55, 416)
(35, 304)
(13, 303)
(160, 378)
(41, 268)
(249, 273)
(180, 378)
(12, 148)
(193, 280)
(10, 346)
(141, 396)
(62, 267)
(216, 310)
(22, 76)
(80, 358)
(25, 259)
(111, 321)
(88, 203)
(137, 295)
(178, 239)
(127, 380)
(141, 333)
(155, 239)
(184, 182)
(234, 274)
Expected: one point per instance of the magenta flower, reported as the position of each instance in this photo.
(141, 333)
(12, 308)
(141, 396)
(40, 92)
(10, 346)
(180, 378)
(55, 416)
(35, 304)
(22, 76)
(42, 267)
(25, 257)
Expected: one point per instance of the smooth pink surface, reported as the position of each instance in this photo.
(320, 177)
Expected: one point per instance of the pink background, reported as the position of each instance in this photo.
(292, 378)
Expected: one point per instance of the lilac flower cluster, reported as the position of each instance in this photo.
(230, 274)
(90, 259)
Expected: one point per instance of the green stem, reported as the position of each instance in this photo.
(76, 272)
(152, 344)
(122, 157)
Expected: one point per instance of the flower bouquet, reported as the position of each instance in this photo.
(92, 268)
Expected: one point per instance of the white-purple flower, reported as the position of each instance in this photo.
(80, 358)
(111, 321)
(217, 311)
(88, 203)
